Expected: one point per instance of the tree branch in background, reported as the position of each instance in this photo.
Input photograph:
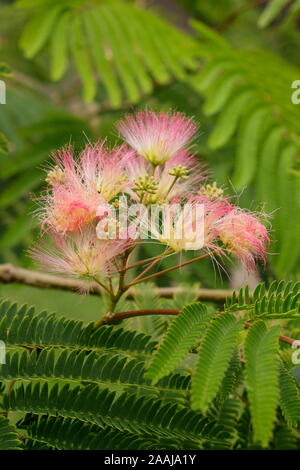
(12, 274)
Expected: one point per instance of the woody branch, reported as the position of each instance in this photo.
(10, 274)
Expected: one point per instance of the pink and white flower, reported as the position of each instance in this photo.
(79, 210)
(193, 225)
(245, 236)
(168, 185)
(80, 254)
(157, 136)
(79, 186)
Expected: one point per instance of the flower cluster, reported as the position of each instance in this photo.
(155, 165)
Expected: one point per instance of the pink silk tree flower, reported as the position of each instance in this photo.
(70, 212)
(79, 186)
(213, 212)
(183, 230)
(245, 236)
(179, 176)
(80, 254)
(111, 178)
(192, 225)
(104, 201)
(157, 136)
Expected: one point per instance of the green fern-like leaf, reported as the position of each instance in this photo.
(181, 337)
(271, 11)
(67, 434)
(262, 370)
(280, 301)
(259, 112)
(127, 413)
(104, 48)
(214, 357)
(103, 368)
(285, 439)
(289, 397)
(23, 326)
(231, 377)
(289, 195)
(110, 370)
(8, 436)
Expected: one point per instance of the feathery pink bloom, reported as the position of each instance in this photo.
(184, 229)
(79, 207)
(80, 254)
(157, 136)
(168, 187)
(214, 211)
(111, 178)
(137, 167)
(183, 186)
(79, 186)
(245, 236)
(193, 225)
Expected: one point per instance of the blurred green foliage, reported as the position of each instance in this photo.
(72, 68)
(78, 65)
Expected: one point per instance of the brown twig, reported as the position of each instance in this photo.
(147, 269)
(117, 317)
(13, 274)
(111, 318)
(10, 274)
(164, 271)
(143, 262)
